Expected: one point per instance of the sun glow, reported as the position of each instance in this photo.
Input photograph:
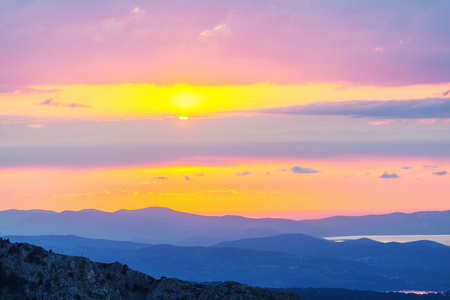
(130, 101)
(186, 100)
(183, 118)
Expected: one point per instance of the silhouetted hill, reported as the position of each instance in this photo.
(294, 243)
(30, 272)
(393, 255)
(424, 222)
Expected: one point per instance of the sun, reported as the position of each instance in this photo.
(183, 118)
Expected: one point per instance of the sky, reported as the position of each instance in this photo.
(296, 109)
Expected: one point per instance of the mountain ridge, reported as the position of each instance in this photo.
(360, 264)
(163, 225)
(30, 272)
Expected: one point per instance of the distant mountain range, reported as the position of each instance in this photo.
(159, 225)
(289, 260)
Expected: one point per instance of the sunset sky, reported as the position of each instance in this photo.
(286, 108)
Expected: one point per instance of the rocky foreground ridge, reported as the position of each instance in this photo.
(30, 272)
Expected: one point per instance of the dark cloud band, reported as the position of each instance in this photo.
(396, 109)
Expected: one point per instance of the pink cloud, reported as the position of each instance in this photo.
(426, 121)
(378, 49)
(37, 125)
(376, 123)
(54, 42)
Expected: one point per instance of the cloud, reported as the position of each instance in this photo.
(445, 93)
(37, 125)
(282, 170)
(441, 173)
(161, 178)
(187, 178)
(74, 105)
(21, 90)
(217, 192)
(406, 167)
(387, 175)
(301, 170)
(376, 123)
(116, 192)
(286, 53)
(52, 102)
(245, 173)
(431, 166)
(137, 11)
(200, 175)
(48, 102)
(221, 30)
(378, 49)
(150, 182)
(397, 109)
(426, 121)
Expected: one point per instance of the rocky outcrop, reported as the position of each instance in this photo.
(30, 272)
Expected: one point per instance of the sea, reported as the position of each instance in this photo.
(439, 238)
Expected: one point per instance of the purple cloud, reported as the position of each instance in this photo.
(301, 170)
(75, 105)
(406, 167)
(445, 93)
(245, 173)
(161, 177)
(387, 175)
(431, 166)
(187, 178)
(24, 90)
(49, 102)
(400, 109)
(340, 48)
(441, 173)
(53, 102)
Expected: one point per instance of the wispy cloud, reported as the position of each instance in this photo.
(136, 11)
(187, 178)
(263, 174)
(445, 93)
(220, 30)
(283, 53)
(389, 176)
(150, 182)
(52, 102)
(20, 90)
(396, 109)
(378, 49)
(376, 123)
(406, 167)
(245, 173)
(430, 166)
(36, 125)
(302, 170)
